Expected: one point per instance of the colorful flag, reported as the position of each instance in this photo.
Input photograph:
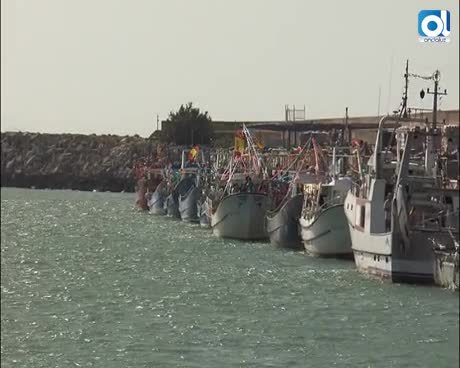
(193, 153)
(239, 142)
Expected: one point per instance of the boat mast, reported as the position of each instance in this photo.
(403, 112)
(431, 147)
(436, 93)
(347, 132)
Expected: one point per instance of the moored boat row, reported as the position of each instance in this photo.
(394, 212)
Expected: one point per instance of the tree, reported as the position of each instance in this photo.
(188, 126)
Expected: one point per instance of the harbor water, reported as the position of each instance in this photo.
(87, 281)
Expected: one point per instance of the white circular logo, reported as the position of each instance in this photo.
(439, 26)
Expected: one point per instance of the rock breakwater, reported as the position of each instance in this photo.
(71, 161)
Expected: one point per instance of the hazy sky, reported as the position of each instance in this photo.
(109, 66)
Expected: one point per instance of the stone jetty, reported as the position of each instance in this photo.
(71, 161)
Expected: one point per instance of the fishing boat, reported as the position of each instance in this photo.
(147, 180)
(157, 200)
(171, 205)
(148, 175)
(177, 191)
(324, 229)
(171, 202)
(391, 225)
(189, 195)
(240, 214)
(282, 223)
(394, 218)
(190, 191)
(237, 209)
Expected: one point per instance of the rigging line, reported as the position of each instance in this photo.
(421, 76)
(301, 153)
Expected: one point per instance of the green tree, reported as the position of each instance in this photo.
(187, 126)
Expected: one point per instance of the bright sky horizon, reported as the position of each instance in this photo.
(110, 66)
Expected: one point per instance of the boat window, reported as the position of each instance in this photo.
(363, 215)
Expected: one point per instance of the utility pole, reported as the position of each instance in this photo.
(158, 120)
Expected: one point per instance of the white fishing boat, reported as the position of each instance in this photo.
(238, 208)
(392, 220)
(241, 216)
(391, 226)
(324, 227)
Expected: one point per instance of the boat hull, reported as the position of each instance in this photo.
(384, 255)
(156, 203)
(413, 265)
(241, 216)
(171, 206)
(188, 205)
(283, 226)
(327, 233)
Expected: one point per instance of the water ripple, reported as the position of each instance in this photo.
(88, 281)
